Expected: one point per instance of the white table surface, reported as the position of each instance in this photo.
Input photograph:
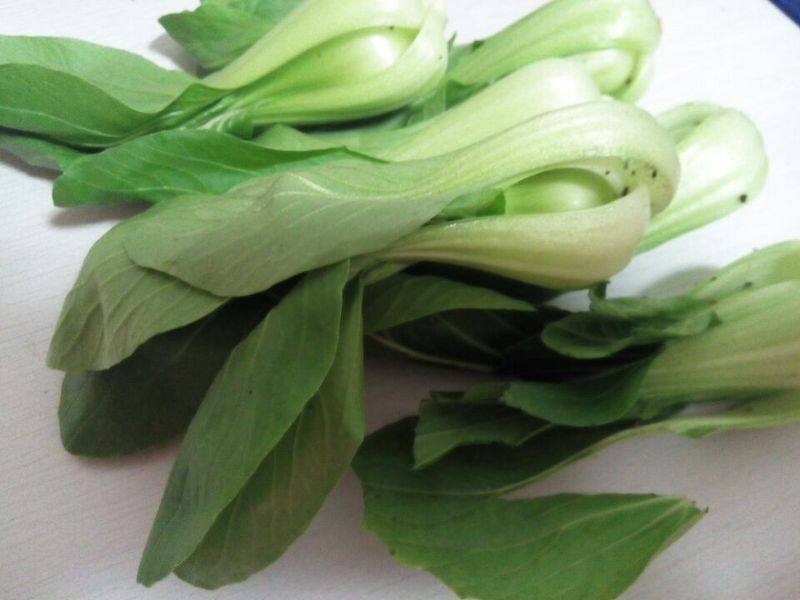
(73, 529)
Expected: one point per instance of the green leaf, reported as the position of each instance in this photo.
(38, 152)
(616, 324)
(270, 229)
(592, 401)
(472, 339)
(385, 461)
(167, 164)
(215, 33)
(218, 31)
(260, 392)
(88, 95)
(273, 10)
(565, 546)
(588, 336)
(444, 426)
(405, 298)
(280, 499)
(151, 396)
(115, 306)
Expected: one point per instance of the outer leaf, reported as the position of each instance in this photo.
(166, 164)
(38, 152)
(88, 95)
(589, 336)
(614, 325)
(444, 426)
(254, 400)
(279, 501)
(405, 298)
(566, 546)
(116, 306)
(605, 397)
(268, 230)
(151, 396)
(386, 461)
(218, 31)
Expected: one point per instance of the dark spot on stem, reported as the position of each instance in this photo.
(748, 285)
(608, 173)
(655, 173)
(626, 190)
(743, 198)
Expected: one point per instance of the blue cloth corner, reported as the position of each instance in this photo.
(790, 7)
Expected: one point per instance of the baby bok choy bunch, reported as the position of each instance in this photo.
(326, 61)
(341, 171)
(733, 341)
(309, 237)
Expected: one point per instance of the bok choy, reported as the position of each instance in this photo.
(326, 61)
(341, 171)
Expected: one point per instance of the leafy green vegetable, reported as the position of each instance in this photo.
(596, 400)
(405, 298)
(336, 61)
(329, 61)
(288, 489)
(273, 228)
(262, 389)
(150, 397)
(613, 39)
(723, 165)
(564, 546)
(167, 164)
(115, 306)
